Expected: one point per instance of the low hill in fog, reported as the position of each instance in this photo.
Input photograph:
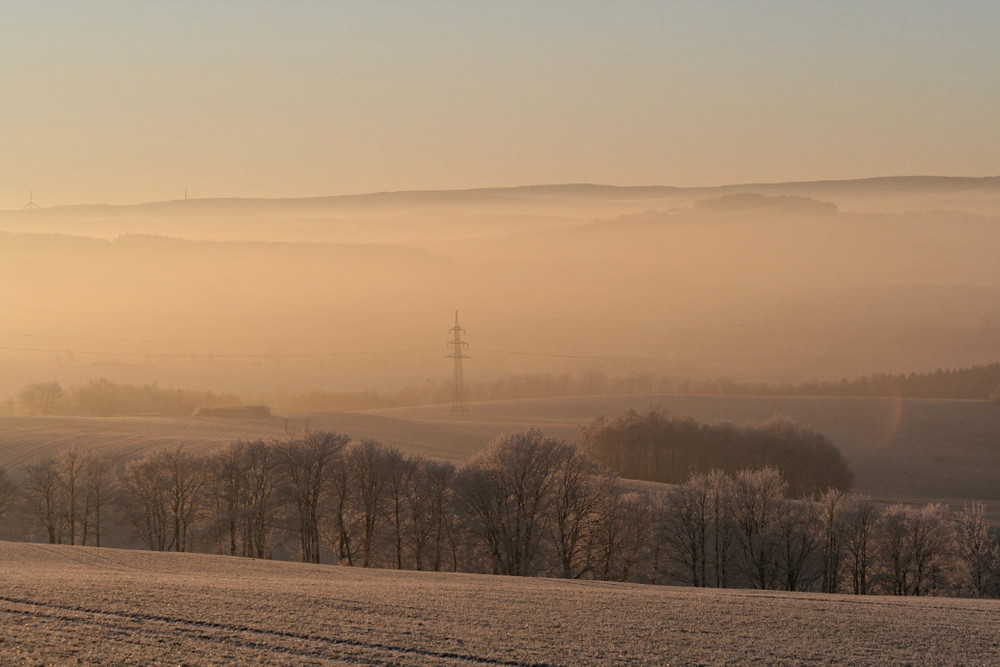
(65, 604)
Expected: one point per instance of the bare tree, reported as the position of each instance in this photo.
(978, 551)
(244, 478)
(832, 506)
(371, 466)
(580, 489)
(345, 515)
(757, 496)
(8, 489)
(260, 506)
(44, 497)
(228, 483)
(913, 545)
(798, 527)
(438, 479)
(402, 478)
(71, 466)
(144, 492)
(308, 464)
(861, 518)
(186, 477)
(620, 536)
(507, 492)
(721, 494)
(98, 490)
(684, 527)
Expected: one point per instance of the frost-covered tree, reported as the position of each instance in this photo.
(832, 528)
(862, 518)
(800, 543)
(914, 544)
(622, 536)
(685, 529)
(507, 491)
(308, 465)
(756, 507)
(244, 478)
(581, 488)
(371, 467)
(978, 551)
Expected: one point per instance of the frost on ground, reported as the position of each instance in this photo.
(61, 604)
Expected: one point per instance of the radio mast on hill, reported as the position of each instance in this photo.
(458, 346)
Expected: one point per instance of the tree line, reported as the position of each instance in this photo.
(527, 505)
(103, 398)
(974, 383)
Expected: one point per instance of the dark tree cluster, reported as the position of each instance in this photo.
(658, 447)
(976, 382)
(527, 505)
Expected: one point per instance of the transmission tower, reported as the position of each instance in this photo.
(458, 346)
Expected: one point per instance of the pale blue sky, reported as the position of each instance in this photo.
(134, 101)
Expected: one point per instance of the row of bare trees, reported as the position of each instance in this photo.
(526, 505)
(717, 530)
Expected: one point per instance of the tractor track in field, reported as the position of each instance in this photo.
(159, 629)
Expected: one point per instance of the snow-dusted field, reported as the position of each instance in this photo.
(62, 604)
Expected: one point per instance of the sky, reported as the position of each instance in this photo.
(133, 101)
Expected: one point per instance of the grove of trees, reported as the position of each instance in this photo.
(658, 447)
(526, 505)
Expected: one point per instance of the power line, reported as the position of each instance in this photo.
(181, 355)
(736, 360)
(286, 316)
(204, 342)
(697, 325)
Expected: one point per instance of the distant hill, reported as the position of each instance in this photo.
(883, 186)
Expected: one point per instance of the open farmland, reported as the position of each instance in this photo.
(917, 450)
(82, 604)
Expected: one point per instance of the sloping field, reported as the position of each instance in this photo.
(913, 450)
(63, 604)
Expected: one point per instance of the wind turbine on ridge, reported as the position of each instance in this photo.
(31, 201)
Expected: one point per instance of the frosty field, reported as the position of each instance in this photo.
(61, 604)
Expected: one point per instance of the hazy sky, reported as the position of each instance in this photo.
(134, 101)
